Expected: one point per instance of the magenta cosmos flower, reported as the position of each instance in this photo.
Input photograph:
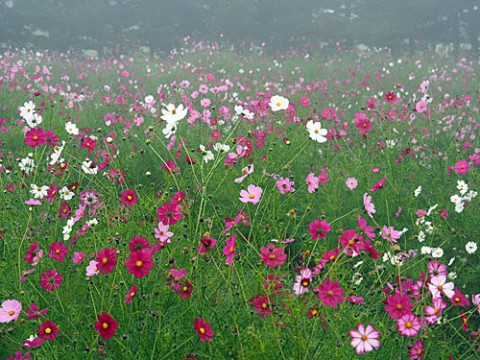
(364, 339)
(50, 280)
(203, 329)
(35, 137)
(319, 229)
(462, 167)
(128, 197)
(57, 251)
(272, 256)
(106, 325)
(252, 194)
(10, 310)
(48, 330)
(230, 249)
(169, 214)
(106, 260)
(140, 263)
(398, 305)
(330, 293)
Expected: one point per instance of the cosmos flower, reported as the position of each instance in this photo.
(278, 102)
(364, 339)
(316, 132)
(106, 325)
(10, 310)
(203, 329)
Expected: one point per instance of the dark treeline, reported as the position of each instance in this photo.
(162, 25)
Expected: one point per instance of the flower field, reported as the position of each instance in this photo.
(220, 204)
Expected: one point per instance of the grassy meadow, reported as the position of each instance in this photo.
(221, 204)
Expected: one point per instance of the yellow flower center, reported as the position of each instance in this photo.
(399, 307)
(264, 306)
(132, 294)
(105, 325)
(138, 263)
(408, 325)
(104, 260)
(35, 137)
(48, 330)
(129, 197)
(251, 196)
(364, 337)
(330, 293)
(202, 330)
(11, 312)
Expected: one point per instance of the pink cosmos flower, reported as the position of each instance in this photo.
(368, 206)
(206, 244)
(462, 167)
(162, 233)
(92, 268)
(356, 300)
(409, 325)
(78, 257)
(330, 293)
(364, 229)
(128, 197)
(438, 285)
(319, 229)
(351, 242)
(230, 249)
(252, 194)
(390, 97)
(247, 170)
(10, 310)
(50, 280)
(272, 256)
(390, 234)
(312, 181)
(421, 106)
(436, 268)
(364, 339)
(48, 330)
(417, 350)
(33, 202)
(352, 183)
(434, 311)
(285, 185)
(261, 305)
(302, 281)
(362, 124)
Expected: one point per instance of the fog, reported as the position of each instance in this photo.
(163, 24)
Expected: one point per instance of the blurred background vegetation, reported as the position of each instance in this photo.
(162, 24)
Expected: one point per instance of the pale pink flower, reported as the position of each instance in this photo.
(438, 285)
(364, 339)
(10, 310)
(92, 268)
(368, 205)
(352, 183)
(247, 170)
(252, 194)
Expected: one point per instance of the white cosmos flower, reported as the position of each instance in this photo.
(38, 192)
(462, 186)
(316, 132)
(278, 102)
(34, 121)
(218, 147)
(71, 128)
(173, 114)
(66, 194)
(207, 154)
(27, 110)
(170, 129)
(27, 165)
(148, 99)
(471, 247)
(417, 191)
(89, 167)
(57, 152)
(437, 253)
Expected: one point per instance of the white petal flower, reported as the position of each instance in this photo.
(316, 132)
(278, 102)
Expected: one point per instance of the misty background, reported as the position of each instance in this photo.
(163, 24)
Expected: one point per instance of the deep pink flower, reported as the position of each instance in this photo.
(78, 257)
(50, 280)
(351, 242)
(10, 310)
(206, 244)
(261, 305)
(319, 229)
(33, 254)
(379, 184)
(35, 314)
(131, 294)
(48, 330)
(417, 350)
(89, 144)
(362, 124)
(140, 263)
(138, 243)
(35, 137)
(169, 214)
(272, 256)
(203, 329)
(364, 229)
(459, 299)
(390, 97)
(398, 305)
(356, 300)
(57, 251)
(462, 167)
(408, 325)
(106, 260)
(230, 249)
(128, 197)
(364, 339)
(251, 195)
(106, 325)
(330, 293)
